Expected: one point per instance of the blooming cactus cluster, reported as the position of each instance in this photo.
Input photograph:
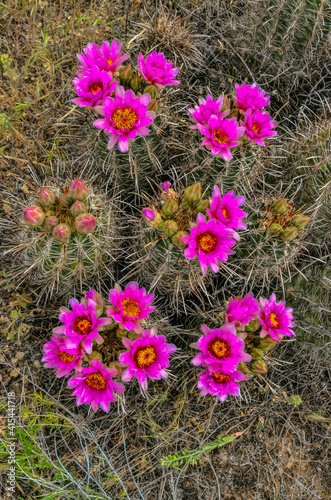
(128, 102)
(181, 218)
(101, 343)
(230, 353)
(283, 222)
(226, 125)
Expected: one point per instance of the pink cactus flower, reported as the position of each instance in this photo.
(226, 210)
(148, 214)
(220, 382)
(258, 126)
(276, 319)
(221, 135)
(81, 325)
(165, 186)
(209, 242)
(106, 57)
(60, 358)
(156, 70)
(93, 88)
(242, 310)
(206, 108)
(94, 386)
(250, 97)
(130, 306)
(147, 357)
(96, 297)
(125, 117)
(34, 216)
(221, 346)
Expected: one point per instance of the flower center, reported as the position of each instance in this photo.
(65, 357)
(219, 348)
(109, 61)
(207, 242)
(220, 378)
(96, 381)
(83, 325)
(130, 308)
(95, 87)
(273, 319)
(221, 137)
(124, 118)
(256, 128)
(144, 356)
(226, 213)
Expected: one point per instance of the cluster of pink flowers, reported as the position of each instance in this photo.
(223, 128)
(146, 357)
(126, 114)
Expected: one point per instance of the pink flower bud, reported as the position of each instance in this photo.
(85, 223)
(78, 208)
(165, 186)
(96, 297)
(46, 197)
(78, 190)
(62, 233)
(63, 200)
(152, 217)
(50, 223)
(34, 216)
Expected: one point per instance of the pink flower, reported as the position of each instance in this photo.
(81, 325)
(276, 319)
(210, 242)
(148, 214)
(61, 359)
(125, 117)
(93, 87)
(156, 70)
(226, 210)
(130, 306)
(242, 310)
(220, 383)
(105, 57)
(165, 186)
(258, 126)
(250, 97)
(146, 357)
(221, 135)
(207, 107)
(221, 346)
(94, 386)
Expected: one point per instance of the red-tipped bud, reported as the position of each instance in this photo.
(169, 228)
(267, 343)
(85, 223)
(258, 367)
(50, 223)
(177, 239)
(300, 220)
(279, 206)
(274, 229)
(135, 83)
(62, 233)
(192, 194)
(64, 200)
(126, 74)
(153, 105)
(78, 208)
(152, 91)
(256, 353)
(96, 297)
(46, 197)
(152, 217)
(34, 216)
(242, 367)
(169, 207)
(78, 190)
(289, 233)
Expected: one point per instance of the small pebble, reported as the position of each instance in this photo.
(20, 355)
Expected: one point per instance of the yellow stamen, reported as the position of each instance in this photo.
(82, 325)
(96, 381)
(109, 61)
(226, 213)
(274, 319)
(124, 118)
(219, 348)
(95, 87)
(221, 137)
(207, 241)
(144, 356)
(130, 308)
(65, 357)
(220, 378)
(256, 128)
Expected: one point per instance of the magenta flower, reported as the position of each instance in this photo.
(220, 383)
(146, 357)
(93, 87)
(258, 126)
(165, 186)
(94, 386)
(221, 135)
(206, 108)
(209, 242)
(125, 117)
(226, 210)
(81, 325)
(250, 97)
(106, 57)
(242, 310)
(148, 214)
(221, 346)
(276, 319)
(130, 306)
(60, 358)
(156, 70)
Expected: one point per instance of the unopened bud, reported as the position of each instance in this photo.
(78, 190)
(253, 325)
(50, 223)
(135, 83)
(289, 233)
(126, 74)
(34, 216)
(85, 223)
(274, 229)
(192, 194)
(152, 217)
(202, 206)
(152, 91)
(279, 206)
(62, 233)
(64, 200)
(169, 228)
(120, 333)
(226, 103)
(153, 105)
(169, 207)
(177, 239)
(78, 208)
(258, 367)
(267, 343)
(96, 297)
(300, 220)
(242, 367)
(46, 197)
(95, 355)
(256, 353)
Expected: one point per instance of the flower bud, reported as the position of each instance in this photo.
(62, 233)
(202, 206)
(279, 206)
(50, 223)
(120, 333)
(152, 217)
(242, 367)
(274, 229)
(96, 297)
(126, 74)
(34, 216)
(85, 223)
(165, 186)
(267, 343)
(289, 233)
(169, 228)
(253, 325)
(152, 91)
(192, 194)
(169, 207)
(135, 83)
(64, 200)
(153, 105)
(95, 355)
(258, 367)
(256, 353)
(78, 208)
(177, 239)
(46, 197)
(78, 190)
(300, 220)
